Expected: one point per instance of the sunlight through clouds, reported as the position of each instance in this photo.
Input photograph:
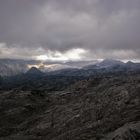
(73, 54)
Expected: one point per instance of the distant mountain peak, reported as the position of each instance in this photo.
(129, 62)
(34, 70)
(107, 62)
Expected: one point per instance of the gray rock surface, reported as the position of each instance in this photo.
(103, 108)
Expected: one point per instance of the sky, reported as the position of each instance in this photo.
(63, 30)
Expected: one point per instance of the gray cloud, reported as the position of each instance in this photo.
(104, 28)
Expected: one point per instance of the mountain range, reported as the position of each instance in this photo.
(9, 67)
(36, 106)
(84, 101)
(16, 74)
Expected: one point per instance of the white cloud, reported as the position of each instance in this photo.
(40, 53)
(73, 54)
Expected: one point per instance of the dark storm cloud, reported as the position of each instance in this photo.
(105, 28)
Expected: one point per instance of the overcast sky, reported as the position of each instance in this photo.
(70, 29)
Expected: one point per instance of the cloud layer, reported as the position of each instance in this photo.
(101, 28)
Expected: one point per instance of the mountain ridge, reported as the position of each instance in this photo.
(13, 67)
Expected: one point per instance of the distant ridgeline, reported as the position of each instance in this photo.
(15, 73)
(9, 67)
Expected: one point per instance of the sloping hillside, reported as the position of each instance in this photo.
(93, 109)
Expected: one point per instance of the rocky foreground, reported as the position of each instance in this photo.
(105, 108)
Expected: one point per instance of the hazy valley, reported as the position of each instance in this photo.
(95, 102)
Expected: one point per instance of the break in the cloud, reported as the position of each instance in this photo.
(70, 29)
(40, 53)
